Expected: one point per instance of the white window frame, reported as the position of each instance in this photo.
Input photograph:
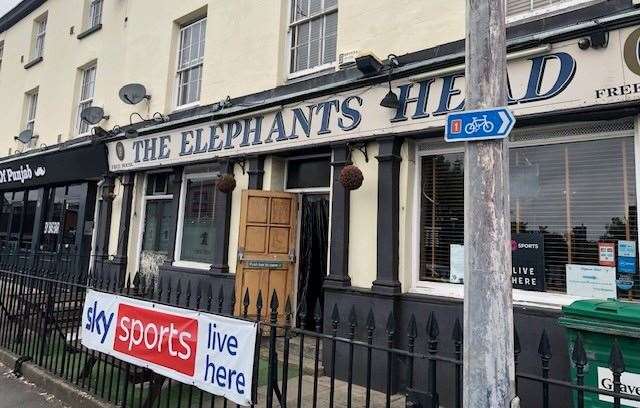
(549, 9)
(31, 108)
(306, 189)
(192, 65)
(85, 100)
(143, 211)
(94, 14)
(549, 300)
(181, 209)
(39, 32)
(290, 28)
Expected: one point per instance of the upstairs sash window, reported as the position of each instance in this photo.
(313, 32)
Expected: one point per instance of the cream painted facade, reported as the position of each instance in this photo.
(246, 51)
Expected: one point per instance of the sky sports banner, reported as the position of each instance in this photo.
(214, 353)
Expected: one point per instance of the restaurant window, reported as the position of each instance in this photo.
(5, 214)
(15, 220)
(158, 221)
(29, 220)
(61, 219)
(196, 232)
(569, 202)
(190, 62)
(313, 32)
(85, 98)
(39, 32)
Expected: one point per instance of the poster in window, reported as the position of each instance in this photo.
(456, 271)
(527, 261)
(626, 256)
(591, 281)
(606, 254)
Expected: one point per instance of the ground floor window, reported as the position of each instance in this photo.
(197, 222)
(573, 217)
(159, 220)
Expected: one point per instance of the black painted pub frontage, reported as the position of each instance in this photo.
(48, 204)
(325, 196)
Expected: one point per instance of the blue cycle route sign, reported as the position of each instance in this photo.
(483, 124)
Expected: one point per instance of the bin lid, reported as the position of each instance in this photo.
(610, 315)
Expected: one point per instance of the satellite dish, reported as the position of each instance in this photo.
(25, 136)
(93, 115)
(132, 94)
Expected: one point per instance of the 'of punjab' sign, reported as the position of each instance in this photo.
(213, 353)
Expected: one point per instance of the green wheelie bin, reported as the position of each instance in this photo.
(600, 322)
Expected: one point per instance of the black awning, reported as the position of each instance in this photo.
(60, 166)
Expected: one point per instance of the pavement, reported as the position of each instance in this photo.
(16, 392)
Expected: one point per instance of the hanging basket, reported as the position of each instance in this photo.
(226, 183)
(351, 177)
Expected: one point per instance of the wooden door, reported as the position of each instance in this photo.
(266, 249)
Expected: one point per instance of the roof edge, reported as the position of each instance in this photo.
(20, 11)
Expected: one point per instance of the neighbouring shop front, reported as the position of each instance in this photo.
(48, 204)
(257, 199)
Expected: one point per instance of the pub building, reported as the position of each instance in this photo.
(266, 194)
(48, 205)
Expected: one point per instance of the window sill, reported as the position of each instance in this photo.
(544, 300)
(89, 31)
(192, 265)
(186, 106)
(33, 62)
(548, 11)
(312, 72)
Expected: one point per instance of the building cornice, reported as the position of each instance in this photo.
(20, 11)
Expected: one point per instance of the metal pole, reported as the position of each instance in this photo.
(488, 314)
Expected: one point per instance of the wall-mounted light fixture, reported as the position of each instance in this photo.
(223, 104)
(390, 100)
(597, 39)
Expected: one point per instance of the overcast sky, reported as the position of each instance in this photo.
(6, 5)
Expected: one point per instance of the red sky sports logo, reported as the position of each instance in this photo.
(456, 126)
(160, 338)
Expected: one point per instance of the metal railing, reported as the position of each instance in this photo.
(341, 362)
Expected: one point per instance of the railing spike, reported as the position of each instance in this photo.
(391, 324)
(457, 331)
(544, 348)
(579, 355)
(433, 330)
(616, 360)
(371, 320)
(274, 302)
(232, 304)
(259, 300)
(287, 306)
(246, 300)
(353, 317)
(317, 313)
(335, 314)
(412, 330)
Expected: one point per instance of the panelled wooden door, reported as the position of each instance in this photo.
(266, 248)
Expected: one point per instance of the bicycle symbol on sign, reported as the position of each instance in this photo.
(478, 124)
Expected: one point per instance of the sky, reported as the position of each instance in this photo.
(6, 5)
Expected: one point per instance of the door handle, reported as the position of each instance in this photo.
(292, 255)
(240, 253)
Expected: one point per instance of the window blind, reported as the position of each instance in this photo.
(515, 7)
(575, 194)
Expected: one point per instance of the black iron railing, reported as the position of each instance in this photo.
(342, 362)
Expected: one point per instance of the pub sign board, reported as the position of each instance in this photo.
(59, 166)
(563, 78)
(527, 261)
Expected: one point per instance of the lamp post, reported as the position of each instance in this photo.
(489, 378)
